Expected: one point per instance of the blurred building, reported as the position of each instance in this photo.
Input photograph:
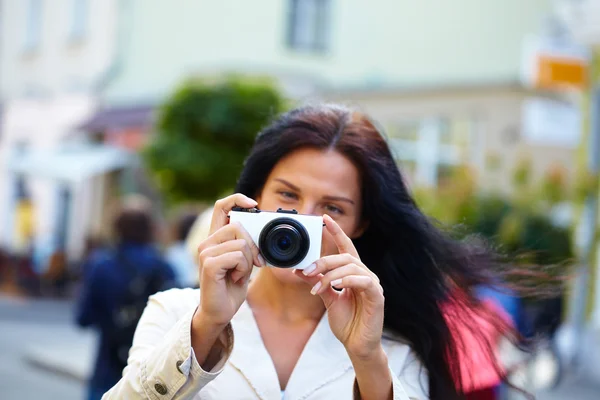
(444, 82)
(55, 57)
(492, 127)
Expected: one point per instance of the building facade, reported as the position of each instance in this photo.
(483, 126)
(54, 56)
(453, 74)
(444, 79)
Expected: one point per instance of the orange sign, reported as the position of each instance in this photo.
(560, 72)
(128, 138)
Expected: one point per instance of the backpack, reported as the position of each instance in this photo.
(130, 306)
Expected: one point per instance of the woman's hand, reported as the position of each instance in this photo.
(225, 260)
(355, 313)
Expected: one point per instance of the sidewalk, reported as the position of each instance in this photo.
(574, 388)
(73, 356)
(42, 333)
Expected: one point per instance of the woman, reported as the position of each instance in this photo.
(289, 334)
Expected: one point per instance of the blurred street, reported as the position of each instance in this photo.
(490, 111)
(573, 389)
(29, 328)
(39, 343)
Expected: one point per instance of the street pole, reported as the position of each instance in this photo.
(587, 232)
(595, 126)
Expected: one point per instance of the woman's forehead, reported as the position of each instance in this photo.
(327, 170)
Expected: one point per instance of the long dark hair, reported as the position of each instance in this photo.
(421, 267)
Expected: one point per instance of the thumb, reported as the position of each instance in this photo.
(328, 295)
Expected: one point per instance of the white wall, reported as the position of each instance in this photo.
(47, 90)
(40, 124)
(493, 113)
(59, 63)
(414, 43)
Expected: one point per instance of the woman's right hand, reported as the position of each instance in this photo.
(226, 259)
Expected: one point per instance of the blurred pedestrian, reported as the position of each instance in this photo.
(116, 286)
(178, 255)
(7, 275)
(93, 244)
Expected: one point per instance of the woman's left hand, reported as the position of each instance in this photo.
(356, 312)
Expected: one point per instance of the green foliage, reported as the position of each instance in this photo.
(204, 132)
(586, 184)
(521, 226)
(522, 173)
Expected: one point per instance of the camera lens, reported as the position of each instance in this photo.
(284, 242)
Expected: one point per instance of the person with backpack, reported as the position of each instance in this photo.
(116, 287)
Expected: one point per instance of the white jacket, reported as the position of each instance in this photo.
(162, 365)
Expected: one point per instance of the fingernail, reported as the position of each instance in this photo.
(336, 282)
(315, 288)
(261, 260)
(309, 269)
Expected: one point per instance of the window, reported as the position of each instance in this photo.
(79, 19)
(511, 135)
(403, 137)
(33, 27)
(404, 131)
(308, 25)
(456, 131)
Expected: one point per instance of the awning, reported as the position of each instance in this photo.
(71, 164)
(119, 118)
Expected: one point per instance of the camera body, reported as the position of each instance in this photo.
(285, 238)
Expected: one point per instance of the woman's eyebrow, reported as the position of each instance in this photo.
(338, 198)
(293, 187)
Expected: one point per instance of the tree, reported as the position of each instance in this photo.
(203, 134)
(520, 226)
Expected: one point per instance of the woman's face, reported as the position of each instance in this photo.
(315, 182)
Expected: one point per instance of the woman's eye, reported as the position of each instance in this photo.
(288, 195)
(333, 209)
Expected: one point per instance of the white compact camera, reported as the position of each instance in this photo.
(285, 238)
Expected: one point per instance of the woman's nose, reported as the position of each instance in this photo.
(308, 208)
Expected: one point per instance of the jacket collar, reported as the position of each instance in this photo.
(323, 359)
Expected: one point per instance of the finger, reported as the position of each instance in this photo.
(233, 232)
(226, 247)
(328, 263)
(342, 241)
(257, 259)
(328, 295)
(331, 277)
(223, 207)
(361, 284)
(218, 267)
(310, 280)
(241, 274)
